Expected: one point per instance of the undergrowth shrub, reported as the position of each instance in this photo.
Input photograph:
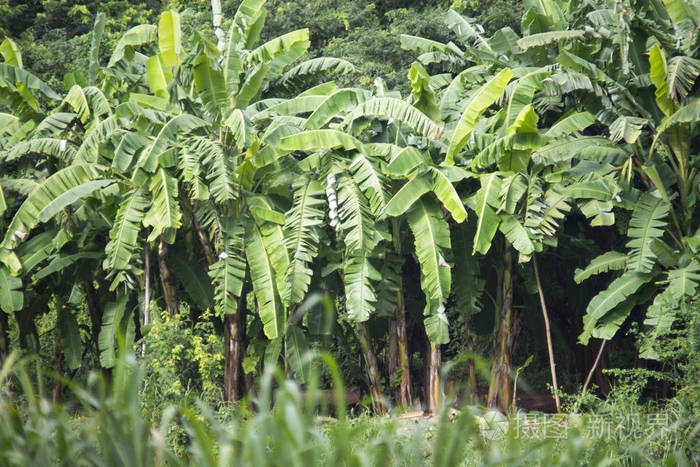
(291, 427)
(183, 362)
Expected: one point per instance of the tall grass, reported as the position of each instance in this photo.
(104, 425)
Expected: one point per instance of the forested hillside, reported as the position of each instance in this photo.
(446, 205)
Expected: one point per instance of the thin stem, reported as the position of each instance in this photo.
(595, 365)
(147, 292)
(552, 367)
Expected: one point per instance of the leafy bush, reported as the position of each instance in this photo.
(182, 362)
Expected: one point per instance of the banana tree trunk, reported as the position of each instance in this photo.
(471, 373)
(201, 235)
(234, 340)
(432, 383)
(372, 370)
(95, 312)
(166, 279)
(405, 397)
(146, 292)
(57, 392)
(393, 359)
(500, 390)
(4, 336)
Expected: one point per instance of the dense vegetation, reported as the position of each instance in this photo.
(505, 213)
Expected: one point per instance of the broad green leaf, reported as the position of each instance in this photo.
(123, 237)
(332, 106)
(657, 62)
(660, 318)
(609, 261)
(592, 148)
(209, 82)
(405, 160)
(646, 224)
(469, 284)
(464, 30)
(422, 94)
(684, 281)
(525, 122)
(21, 78)
(479, 101)
(138, 35)
(10, 259)
(369, 177)
(446, 193)
(176, 126)
(484, 202)
(681, 75)
(58, 148)
(301, 238)
(262, 274)
(3, 202)
(164, 215)
(391, 108)
(546, 38)
(170, 37)
(11, 53)
(437, 328)
(432, 239)
(111, 326)
(36, 249)
(244, 22)
(227, 274)
(89, 150)
(600, 189)
(278, 47)
(678, 10)
(69, 332)
(360, 237)
(295, 106)
(421, 45)
(251, 85)
(516, 234)
(158, 75)
(616, 293)
(569, 124)
(11, 294)
(314, 140)
(95, 41)
(689, 113)
(627, 128)
(299, 75)
(63, 261)
(60, 190)
(522, 93)
(408, 195)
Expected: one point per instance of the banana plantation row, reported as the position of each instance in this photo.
(236, 177)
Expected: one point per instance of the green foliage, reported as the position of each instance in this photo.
(184, 363)
(218, 169)
(287, 429)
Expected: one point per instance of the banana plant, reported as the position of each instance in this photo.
(228, 170)
(527, 170)
(52, 242)
(143, 150)
(358, 175)
(661, 262)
